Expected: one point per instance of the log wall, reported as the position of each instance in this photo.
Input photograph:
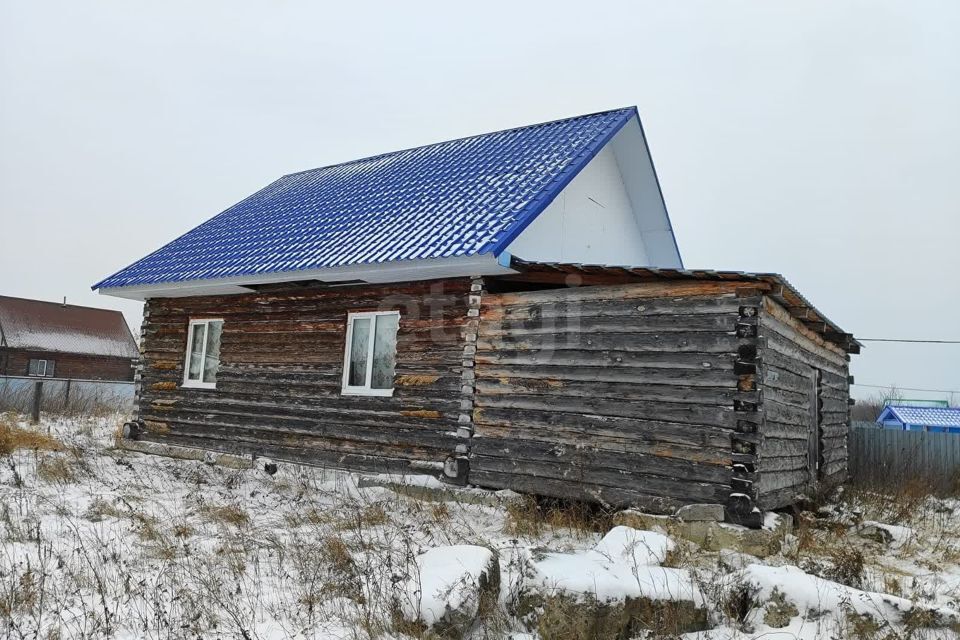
(622, 394)
(805, 405)
(279, 382)
(645, 394)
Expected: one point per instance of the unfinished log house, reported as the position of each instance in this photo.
(429, 311)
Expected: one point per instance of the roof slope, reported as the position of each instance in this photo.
(926, 416)
(50, 326)
(459, 198)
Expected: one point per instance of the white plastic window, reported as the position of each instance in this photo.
(41, 368)
(203, 354)
(370, 356)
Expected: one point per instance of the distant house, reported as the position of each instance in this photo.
(913, 418)
(434, 310)
(52, 340)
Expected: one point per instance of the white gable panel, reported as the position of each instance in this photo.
(590, 221)
(612, 212)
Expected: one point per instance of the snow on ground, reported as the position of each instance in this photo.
(99, 542)
(624, 564)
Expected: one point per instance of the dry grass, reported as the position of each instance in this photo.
(13, 437)
(56, 469)
(310, 516)
(231, 514)
(312, 547)
(100, 509)
(371, 515)
(897, 506)
(562, 617)
(440, 512)
(530, 516)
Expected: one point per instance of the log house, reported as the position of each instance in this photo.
(434, 311)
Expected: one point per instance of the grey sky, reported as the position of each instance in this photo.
(820, 140)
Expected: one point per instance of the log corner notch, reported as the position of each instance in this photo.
(456, 468)
(741, 505)
(138, 369)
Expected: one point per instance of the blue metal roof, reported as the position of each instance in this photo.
(459, 198)
(922, 416)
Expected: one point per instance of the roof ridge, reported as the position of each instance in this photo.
(60, 304)
(460, 139)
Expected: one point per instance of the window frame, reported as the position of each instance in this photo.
(198, 384)
(45, 362)
(347, 389)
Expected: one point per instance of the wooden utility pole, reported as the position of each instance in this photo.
(37, 396)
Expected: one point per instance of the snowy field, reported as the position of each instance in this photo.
(97, 542)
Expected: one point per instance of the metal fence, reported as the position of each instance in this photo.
(892, 457)
(62, 395)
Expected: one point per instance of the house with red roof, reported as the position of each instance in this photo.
(53, 340)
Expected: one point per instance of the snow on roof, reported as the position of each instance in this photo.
(463, 197)
(64, 328)
(925, 416)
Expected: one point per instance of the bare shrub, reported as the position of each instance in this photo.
(848, 565)
(739, 601)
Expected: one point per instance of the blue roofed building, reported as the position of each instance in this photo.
(581, 189)
(913, 418)
(508, 310)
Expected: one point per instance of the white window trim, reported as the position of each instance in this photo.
(187, 382)
(345, 388)
(39, 373)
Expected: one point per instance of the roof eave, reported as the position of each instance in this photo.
(377, 273)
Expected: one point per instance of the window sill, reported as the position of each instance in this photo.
(198, 385)
(367, 392)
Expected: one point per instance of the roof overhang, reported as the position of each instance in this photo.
(379, 273)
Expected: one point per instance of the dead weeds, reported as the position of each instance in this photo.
(14, 437)
(531, 516)
(57, 469)
(231, 514)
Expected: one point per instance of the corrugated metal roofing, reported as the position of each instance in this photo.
(459, 198)
(927, 416)
(50, 326)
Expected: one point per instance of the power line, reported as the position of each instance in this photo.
(904, 340)
(893, 386)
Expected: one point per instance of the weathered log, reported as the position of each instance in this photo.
(618, 497)
(588, 426)
(606, 358)
(589, 459)
(698, 323)
(651, 410)
(629, 342)
(625, 391)
(685, 377)
(680, 489)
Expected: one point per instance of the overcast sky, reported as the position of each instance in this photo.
(820, 140)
